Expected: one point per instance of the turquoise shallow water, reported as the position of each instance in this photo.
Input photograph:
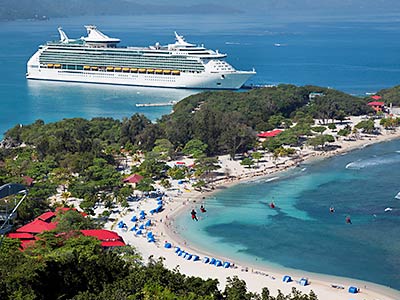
(301, 233)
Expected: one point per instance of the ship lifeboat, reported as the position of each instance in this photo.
(176, 72)
(142, 70)
(94, 68)
(86, 67)
(158, 71)
(50, 65)
(57, 66)
(125, 69)
(117, 69)
(150, 71)
(133, 70)
(167, 71)
(109, 69)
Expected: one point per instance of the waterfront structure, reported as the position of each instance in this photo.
(97, 59)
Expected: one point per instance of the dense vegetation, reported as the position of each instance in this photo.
(391, 95)
(85, 157)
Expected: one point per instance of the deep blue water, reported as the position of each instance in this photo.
(301, 232)
(356, 54)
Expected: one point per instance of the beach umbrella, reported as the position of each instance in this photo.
(159, 198)
(177, 249)
(196, 258)
(180, 253)
(151, 240)
(287, 278)
(212, 261)
(134, 228)
(206, 260)
(167, 245)
(148, 223)
(218, 263)
(303, 281)
(141, 226)
(134, 219)
(149, 234)
(189, 256)
(227, 264)
(152, 211)
(160, 202)
(139, 232)
(142, 213)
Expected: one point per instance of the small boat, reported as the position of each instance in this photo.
(272, 205)
(57, 66)
(86, 67)
(133, 70)
(176, 72)
(110, 68)
(118, 69)
(142, 70)
(50, 65)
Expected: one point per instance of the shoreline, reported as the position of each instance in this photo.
(257, 275)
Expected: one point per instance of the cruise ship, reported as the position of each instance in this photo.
(97, 58)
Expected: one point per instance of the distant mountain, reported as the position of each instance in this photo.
(25, 9)
(41, 9)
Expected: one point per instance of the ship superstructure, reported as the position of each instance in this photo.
(97, 58)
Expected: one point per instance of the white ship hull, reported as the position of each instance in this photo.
(203, 80)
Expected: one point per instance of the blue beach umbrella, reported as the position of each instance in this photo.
(148, 223)
(189, 256)
(196, 258)
(227, 264)
(218, 263)
(141, 226)
(167, 245)
(134, 219)
(149, 234)
(138, 232)
(177, 249)
(206, 260)
(212, 261)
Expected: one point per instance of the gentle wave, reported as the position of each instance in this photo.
(373, 162)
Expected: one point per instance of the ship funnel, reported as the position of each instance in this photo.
(63, 37)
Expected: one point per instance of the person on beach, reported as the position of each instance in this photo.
(193, 213)
(202, 209)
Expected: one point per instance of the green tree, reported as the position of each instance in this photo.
(195, 148)
(247, 161)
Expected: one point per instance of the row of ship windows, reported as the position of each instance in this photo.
(114, 61)
(148, 78)
(120, 54)
(116, 69)
(74, 66)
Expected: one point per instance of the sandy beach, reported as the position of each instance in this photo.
(182, 199)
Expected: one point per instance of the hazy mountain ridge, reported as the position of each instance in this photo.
(27, 9)
(39, 9)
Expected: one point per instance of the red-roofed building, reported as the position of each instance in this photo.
(133, 179)
(108, 238)
(376, 97)
(376, 105)
(25, 238)
(47, 216)
(268, 134)
(37, 226)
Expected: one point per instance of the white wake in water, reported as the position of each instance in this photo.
(374, 161)
(397, 196)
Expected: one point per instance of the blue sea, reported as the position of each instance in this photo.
(301, 232)
(355, 54)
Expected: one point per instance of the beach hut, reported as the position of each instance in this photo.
(167, 245)
(287, 278)
(353, 290)
(227, 264)
(303, 281)
(206, 260)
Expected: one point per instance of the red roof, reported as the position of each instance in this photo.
(113, 244)
(134, 178)
(376, 97)
(269, 133)
(21, 235)
(108, 238)
(376, 103)
(37, 226)
(47, 216)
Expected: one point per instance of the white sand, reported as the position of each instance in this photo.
(255, 277)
